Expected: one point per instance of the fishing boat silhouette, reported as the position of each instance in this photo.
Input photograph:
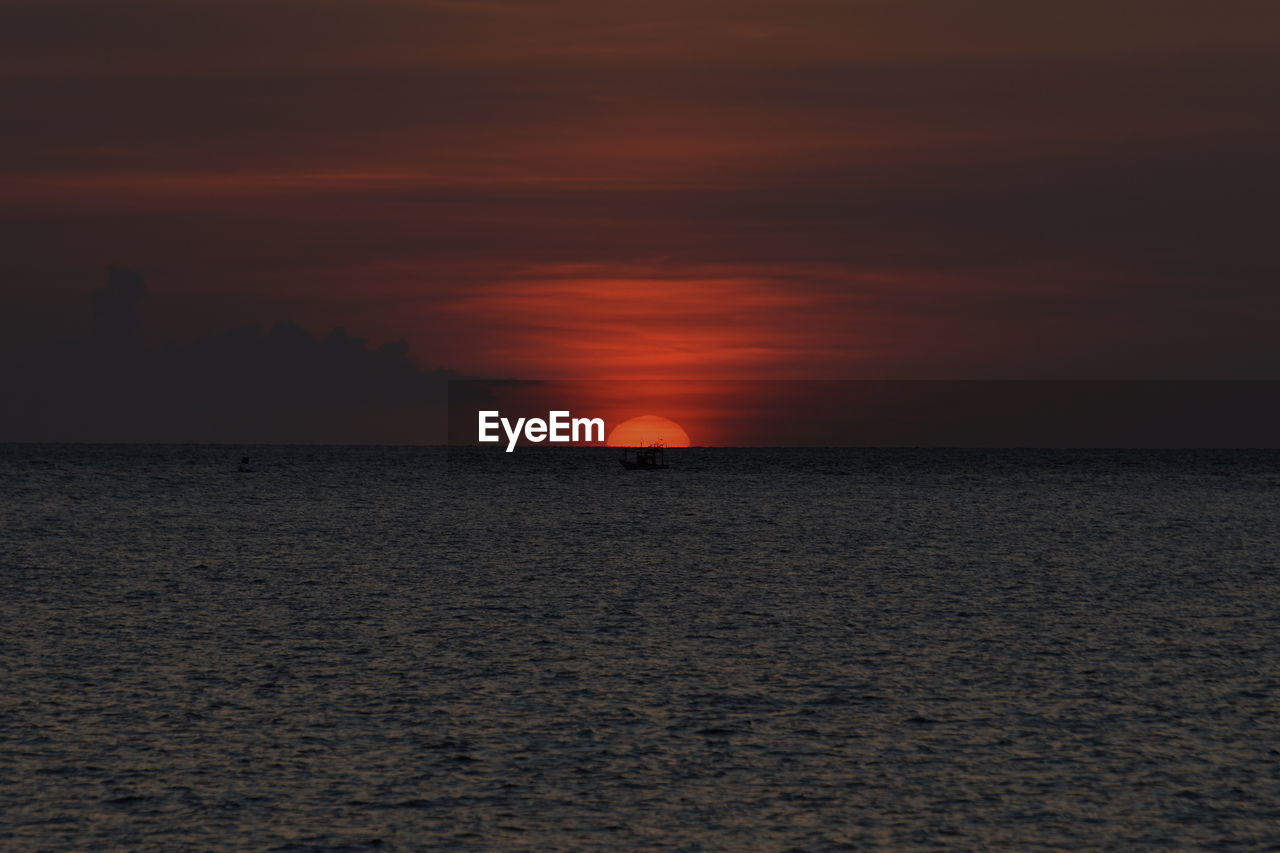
(649, 458)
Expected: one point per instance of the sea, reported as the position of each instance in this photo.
(378, 648)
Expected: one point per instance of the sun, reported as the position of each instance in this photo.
(646, 430)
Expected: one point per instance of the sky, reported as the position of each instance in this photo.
(299, 217)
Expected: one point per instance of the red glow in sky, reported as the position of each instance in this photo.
(698, 189)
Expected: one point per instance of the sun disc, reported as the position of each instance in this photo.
(648, 429)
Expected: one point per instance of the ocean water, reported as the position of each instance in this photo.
(404, 649)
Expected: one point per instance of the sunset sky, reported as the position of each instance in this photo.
(791, 189)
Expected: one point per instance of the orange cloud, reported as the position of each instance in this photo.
(584, 322)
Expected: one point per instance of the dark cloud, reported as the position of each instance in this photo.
(232, 35)
(116, 316)
(242, 385)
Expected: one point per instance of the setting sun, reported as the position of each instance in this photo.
(648, 429)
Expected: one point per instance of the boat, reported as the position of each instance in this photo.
(648, 458)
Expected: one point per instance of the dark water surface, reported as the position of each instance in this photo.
(398, 649)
